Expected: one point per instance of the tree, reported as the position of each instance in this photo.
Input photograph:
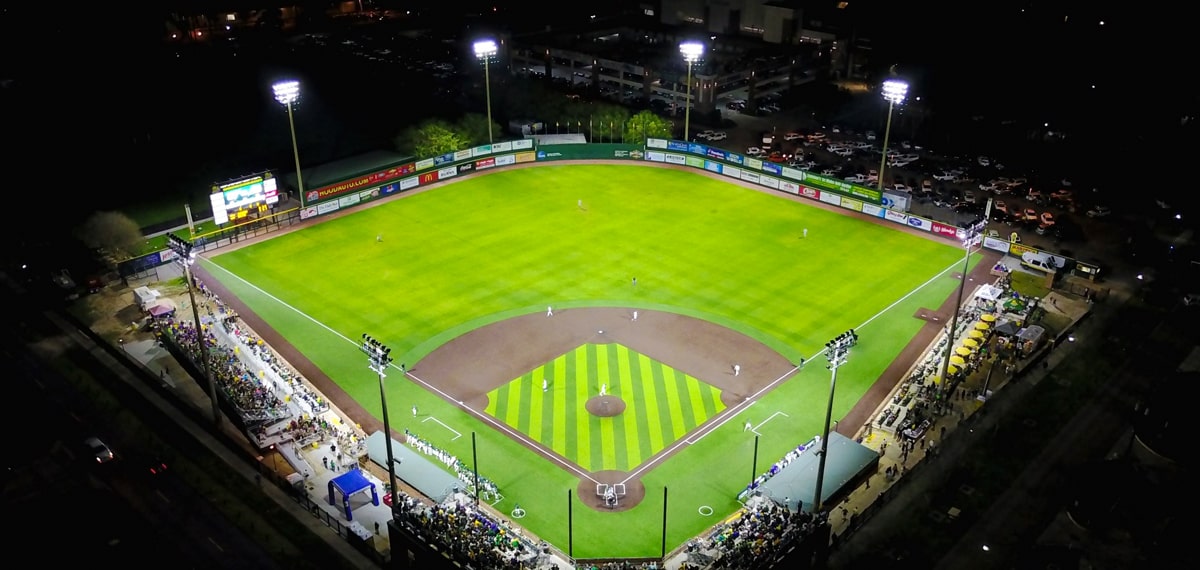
(431, 138)
(113, 232)
(647, 125)
(474, 128)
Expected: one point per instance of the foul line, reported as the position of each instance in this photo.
(482, 417)
(456, 434)
(764, 422)
(731, 412)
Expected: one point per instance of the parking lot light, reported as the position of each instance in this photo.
(894, 91)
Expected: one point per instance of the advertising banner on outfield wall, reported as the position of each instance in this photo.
(830, 198)
(522, 143)
(359, 182)
(872, 210)
(789, 187)
(411, 182)
(753, 163)
(895, 201)
(694, 162)
(526, 157)
(677, 145)
(308, 212)
(656, 143)
(810, 192)
(326, 207)
(506, 159)
(944, 229)
(732, 171)
(589, 151)
(713, 166)
(852, 204)
(656, 156)
(772, 168)
(793, 173)
(999, 245)
(673, 158)
(898, 217)
(347, 201)
(750, 176)
(425, 164)
(769, 181)
(920, 223)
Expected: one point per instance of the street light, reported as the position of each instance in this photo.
(836, 352)
(973, 234)
(287, 92)
(378, 359)
(691, 53)
(485, 50)
(186, 257)
(894, 91)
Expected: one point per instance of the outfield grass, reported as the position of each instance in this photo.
(512, 242)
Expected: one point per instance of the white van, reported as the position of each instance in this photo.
(1039, 261)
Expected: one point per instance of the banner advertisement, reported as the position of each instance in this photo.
(717, 153)
(424, 164)
(502, 146)
(485, 163)
(921, 223)
(506, 159)
(793, 173)
(944, 229)
(677, 145)
(695, 162)
(634, 154)
(676, 158)
(389, 189)
(656, 156)
(995, 244)
(772, 168)
(769, 182)
(466, 167)
(448, 172)
(830, 198)
(306, 213)
(699, 149)
(444, 159)
(895, 201)
(428, 177)
(872, 210)
(526, 157)
(461, 155)
(852, 204)
(523, 143)
(481, 150)
(360, 182)
(411, 182)
(713, 166)
(843, 187)
(894, 216)
(735, 158)
(326, 207)
(750, 176)
(589, 151)
(656, 143)
(810, 192)
(1017, 250)
(789, 187)
(753, 163)
(347, 201)
(731, 171)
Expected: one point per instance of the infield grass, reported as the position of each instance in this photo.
(512, 242)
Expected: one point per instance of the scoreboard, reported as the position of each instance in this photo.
(244, 199)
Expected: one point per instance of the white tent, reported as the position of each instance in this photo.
(989, 292)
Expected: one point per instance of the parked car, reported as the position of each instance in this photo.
(1031, 214)
(1033, 195)
(926, 186)
(718, 136)
(101, 451)
(870, 135)
(1000, 206)
(704, 135)
(1047, 218)
(945, 176)
(793, 136)
(856, 178)
(984, 161)
(1098, 212)
(754, 151)
(1062, 194)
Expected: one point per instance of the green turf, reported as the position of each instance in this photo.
(548, 405)
(512, 242)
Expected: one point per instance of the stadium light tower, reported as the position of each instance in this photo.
(287, 92)
(186, 257)
(836, 351)
(378, 359)
(486, 50)
(692, 51)
(972, 235)
(894, 91)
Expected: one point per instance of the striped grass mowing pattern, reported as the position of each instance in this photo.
(661, 405)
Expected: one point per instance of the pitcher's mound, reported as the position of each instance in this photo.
(605, 406)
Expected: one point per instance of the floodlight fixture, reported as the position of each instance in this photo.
(895, 91)
(485, 48)
(692, 51)
(287, 92)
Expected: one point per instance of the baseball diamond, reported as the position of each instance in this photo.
(460, 291)
(659, 406)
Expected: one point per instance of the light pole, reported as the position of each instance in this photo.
(894, 91)
(691, 53)
(378, 359)
(486, 50)
(836, 351)
(972, 236)
(286, 92)
(187, 256)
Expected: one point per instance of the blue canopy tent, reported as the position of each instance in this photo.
(349, 484)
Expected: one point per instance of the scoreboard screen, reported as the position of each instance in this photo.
(243, 198)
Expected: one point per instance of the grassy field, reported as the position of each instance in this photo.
(547, 404)
(509, 243)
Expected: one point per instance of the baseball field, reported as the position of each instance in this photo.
(660, 281)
